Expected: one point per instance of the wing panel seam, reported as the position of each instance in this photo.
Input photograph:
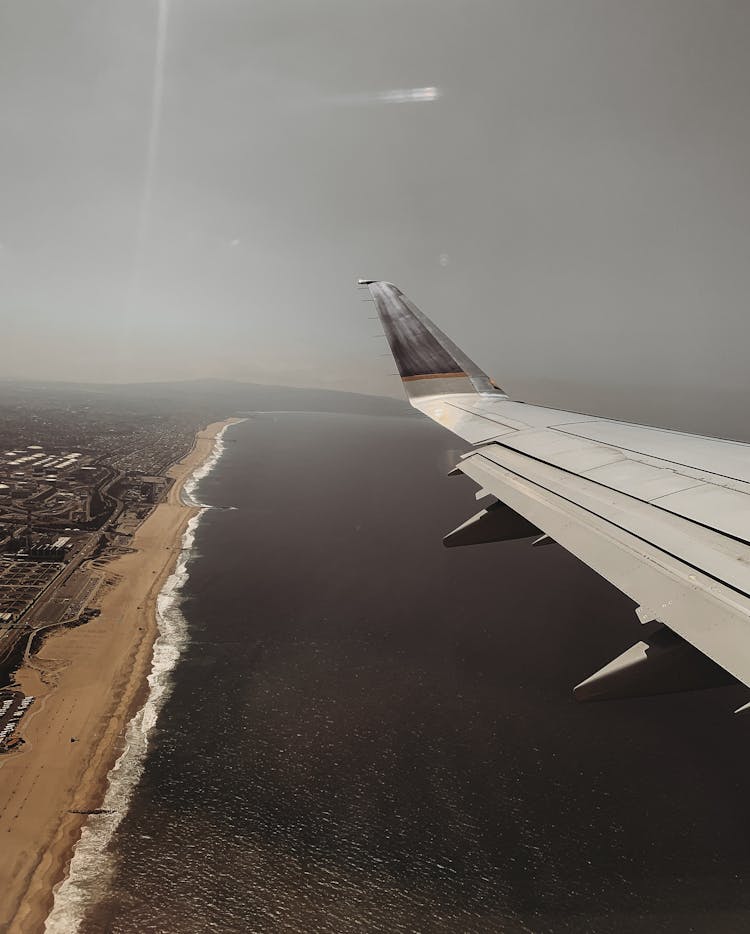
(583, 476)
(621, 528)
(667, 460)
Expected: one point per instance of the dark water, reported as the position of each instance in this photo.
(369, 732)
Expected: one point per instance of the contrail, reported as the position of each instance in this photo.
(157, 96)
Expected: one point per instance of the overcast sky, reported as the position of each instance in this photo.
(569, 199)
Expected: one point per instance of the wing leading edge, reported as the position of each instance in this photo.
(663, 515)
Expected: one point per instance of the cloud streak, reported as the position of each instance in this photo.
(426, 95)
(410, 96)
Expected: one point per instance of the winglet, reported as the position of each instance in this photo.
(428, 362)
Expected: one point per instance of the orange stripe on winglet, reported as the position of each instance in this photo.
(408, 379)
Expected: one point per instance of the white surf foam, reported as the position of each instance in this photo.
(190, 487)
(92, 866)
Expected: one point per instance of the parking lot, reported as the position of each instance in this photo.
(21, 582)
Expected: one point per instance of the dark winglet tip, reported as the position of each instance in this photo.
(379, 282)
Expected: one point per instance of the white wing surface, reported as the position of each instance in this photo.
(663, 515)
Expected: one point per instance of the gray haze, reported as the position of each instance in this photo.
(571, 203)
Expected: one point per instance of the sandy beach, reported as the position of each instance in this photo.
(88, 681)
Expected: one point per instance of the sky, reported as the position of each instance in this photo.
(190, 189)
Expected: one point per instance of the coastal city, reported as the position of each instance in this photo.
(77, 478)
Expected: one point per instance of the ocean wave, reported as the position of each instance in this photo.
(92, 866)
(190, 488)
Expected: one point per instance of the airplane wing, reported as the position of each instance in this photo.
(663, 515)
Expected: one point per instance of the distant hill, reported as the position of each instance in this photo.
(207, 398)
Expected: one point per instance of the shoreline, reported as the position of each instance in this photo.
(89, 683)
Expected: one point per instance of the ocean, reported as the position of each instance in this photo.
(353, 729)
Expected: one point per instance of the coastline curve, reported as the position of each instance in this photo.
(91, 867)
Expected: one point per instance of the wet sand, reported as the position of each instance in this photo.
(88, 682)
